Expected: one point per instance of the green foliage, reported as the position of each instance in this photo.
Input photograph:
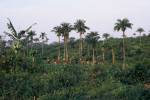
(28, 75)
(75, 82)
(140, 73)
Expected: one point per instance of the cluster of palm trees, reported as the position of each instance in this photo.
(92, 38)
(64, 29)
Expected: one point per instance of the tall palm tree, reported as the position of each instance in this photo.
(58, 32)
(81, 28)
(66, 29)
(122, 25)
(72, 42)
(140, 30)
(87, 39)
(93, 38)
(105, 35)
(44, 38)
(111, 46)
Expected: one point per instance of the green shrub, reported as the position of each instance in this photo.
(140, 73)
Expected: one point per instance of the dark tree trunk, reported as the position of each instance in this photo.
(124, 53)
(93, 56)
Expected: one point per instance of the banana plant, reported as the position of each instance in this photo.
(17, 37)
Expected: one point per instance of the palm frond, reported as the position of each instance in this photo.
(11, 35)
(11, 28)
(28, 29)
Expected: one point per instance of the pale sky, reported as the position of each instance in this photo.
(99, 14)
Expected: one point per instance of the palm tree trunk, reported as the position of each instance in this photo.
(67, 50)
(103, 54)
(59, 49)
(34, 98)
(140, 39)
(124, 53)
(88, 50)
(93, 56)
(81, 45)
(113, 56)
(80, 48)
(103, 49)
(27, 49)
(42, 47)
(64, 48)
(31, 44)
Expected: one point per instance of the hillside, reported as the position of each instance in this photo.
(23, 79)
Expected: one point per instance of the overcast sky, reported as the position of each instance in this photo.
(99, 14)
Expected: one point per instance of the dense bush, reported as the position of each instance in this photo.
(140, 73)
(75, 82)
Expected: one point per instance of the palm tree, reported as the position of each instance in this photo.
(87, 39)
(66, 29)
(140, 30)
(105, 35)
(36, 40)
(30, 36)
(43, 37)
(72, 43)
(122, 25)
(93, 38)
(134, 34)
(81, 28)
(58, 31)
(111, 46)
